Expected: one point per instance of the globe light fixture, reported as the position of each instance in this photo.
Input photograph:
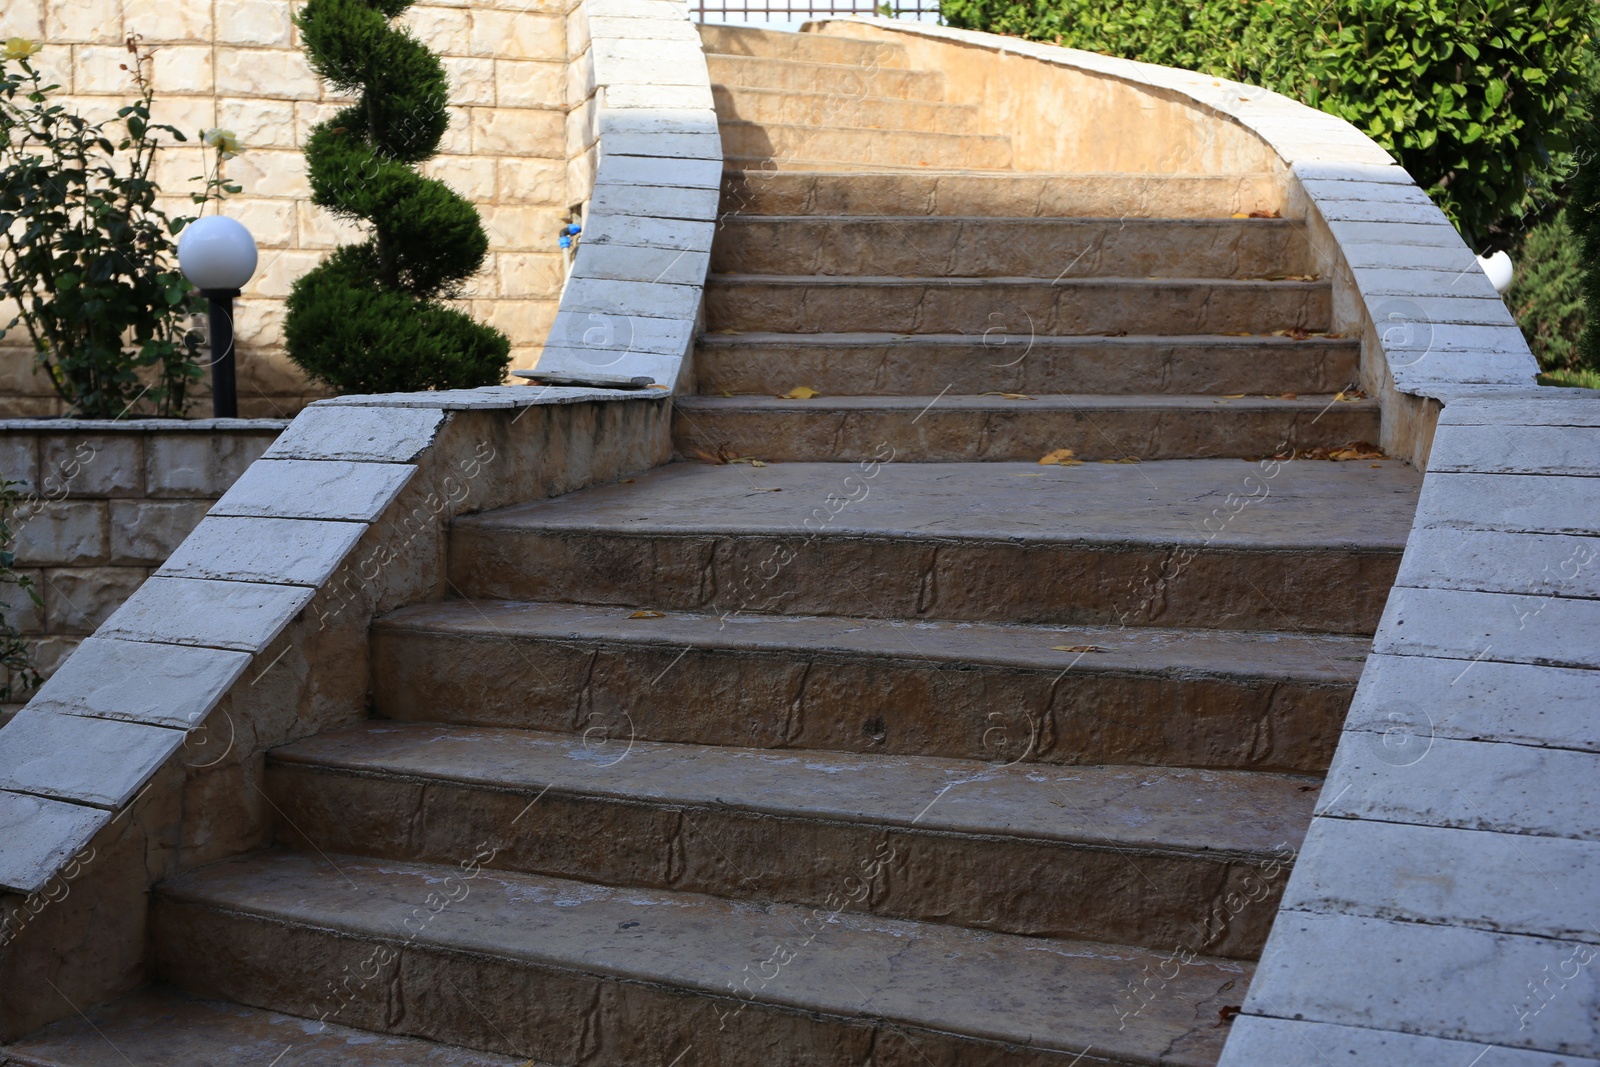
(1498, 268)
(218, 255)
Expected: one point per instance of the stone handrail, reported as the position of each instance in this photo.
(646, 147)
(1442, 905)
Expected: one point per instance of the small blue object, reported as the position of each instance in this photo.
(564, 241)
(574, 229)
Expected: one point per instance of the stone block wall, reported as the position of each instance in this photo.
(239, 65)
(104, 504)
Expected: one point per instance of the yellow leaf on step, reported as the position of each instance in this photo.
(648, 615)
(800, 392)
(1078, 648)
(1009, 396)
(1241, 215)
(758, 463)
(1060, 455)
(1232, 396)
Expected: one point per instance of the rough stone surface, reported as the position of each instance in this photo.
(100, 762)
(216, 614)
(139, 681)
(39, 835)
(288, 551)
(314, 489)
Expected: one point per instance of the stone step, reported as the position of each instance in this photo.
(974, 247)
(1134, 855)
(1004, 193)
(1310, 545)
(880, 364)
(737, 103)
(164, 1028)
(842, 79)
(906, 148)
(963, 690)
(570, 972)
(1027, 306)
(965, 429)
(809, 47)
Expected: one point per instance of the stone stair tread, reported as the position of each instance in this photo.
(1321, 504)
(848, 281)
(928, 977)
(1033, 402)
(918, 340)
(1242, 814)
(1189, 653)
(164, 1027)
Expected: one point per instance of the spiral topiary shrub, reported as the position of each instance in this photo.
(371, 318)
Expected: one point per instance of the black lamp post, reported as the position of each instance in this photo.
(218, 255)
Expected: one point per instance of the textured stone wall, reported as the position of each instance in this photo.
(104, 504)
(238, 64)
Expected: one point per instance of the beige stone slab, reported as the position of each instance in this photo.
(38, 835)
(1522, 412)
(1529, 503)
(373, 436)
(1261, 1041)
(1493, 561)
(1532, 627)
(99, 762)
(189, 611)
(314, 489)
(138, 681)
(287, 551)
(1508, 883)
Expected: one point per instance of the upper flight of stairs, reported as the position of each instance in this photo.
(898, 749)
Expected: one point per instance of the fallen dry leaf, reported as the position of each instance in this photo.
(1265, 215)
(1351, 450)
(648, 615)
(1233, 396)
(1226, 1013)
(1078, 648)
(799, 392)
(1241, 215)
(1060, 455)
(658, 385)
(1345, 396)
(727, 394)
(758, 463)
(1009, 396)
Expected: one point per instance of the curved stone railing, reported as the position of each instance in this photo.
(647, 159)
(143, 755)
(1441, 911)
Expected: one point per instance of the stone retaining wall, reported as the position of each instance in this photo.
(104, 503)
(239, 65)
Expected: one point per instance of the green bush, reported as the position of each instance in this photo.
(1547, 294)
(1583, 207)
(371, 317)
(87, 255)
(1471, 96)
(18, 677)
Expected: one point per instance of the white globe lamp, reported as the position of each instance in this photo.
(218, 255)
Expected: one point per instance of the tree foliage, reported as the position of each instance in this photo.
(1472, 96)
(372, 317)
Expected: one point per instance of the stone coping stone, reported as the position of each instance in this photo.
(38, 836)
(141, 681)
(314, 489)
(1300, 1043)
(281, 551)
(489, 398)
(100, 762)
(246, 616)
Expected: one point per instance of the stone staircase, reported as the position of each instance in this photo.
(894, 746)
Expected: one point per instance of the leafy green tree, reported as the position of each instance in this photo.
(372, 317)
(1583, 208)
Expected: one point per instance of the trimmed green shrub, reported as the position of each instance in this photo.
(1547, 294)
(371, 318)
(1471, 96)
(1583, 207)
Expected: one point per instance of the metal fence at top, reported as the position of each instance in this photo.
(791, 11)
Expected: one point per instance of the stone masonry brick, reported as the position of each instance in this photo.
(78, 599)
(145, 532)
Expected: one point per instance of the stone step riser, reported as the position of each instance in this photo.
(552, 1013)
(1011, 248)
(1331, 590)
(835, 79)
(805, 430)
(735, 103)
(806, 47)
(1116, 894)
(744, 303)
(903, 148)
(809, 702)
(1014, 195)
(1012, 364)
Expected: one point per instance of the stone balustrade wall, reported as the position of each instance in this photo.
(104, 504)
(239, 65)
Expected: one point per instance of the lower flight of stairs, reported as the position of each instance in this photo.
(894, 747)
